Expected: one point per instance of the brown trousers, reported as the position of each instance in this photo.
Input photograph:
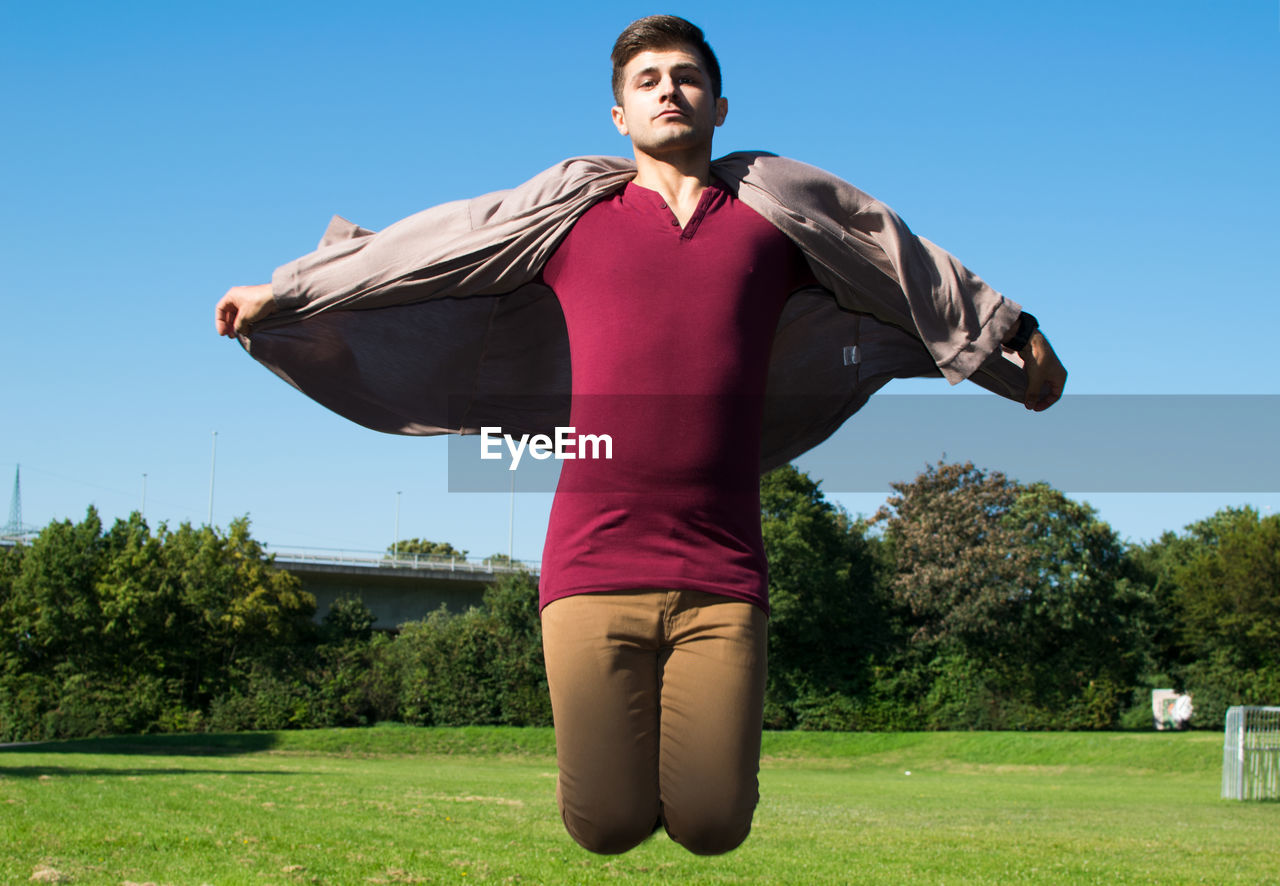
(658, 702)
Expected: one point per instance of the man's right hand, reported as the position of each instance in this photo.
(241, 307)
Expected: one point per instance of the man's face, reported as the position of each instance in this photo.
(667, 103)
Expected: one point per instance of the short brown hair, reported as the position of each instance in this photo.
(661, 32)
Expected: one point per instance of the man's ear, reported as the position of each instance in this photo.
(722, 108)
(620, 119)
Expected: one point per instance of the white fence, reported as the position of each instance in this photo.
(1251, 754)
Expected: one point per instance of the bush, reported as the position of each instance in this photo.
(24, 698)
(1097, 707)
(1216, 685)
(349, 686)
(1038, 620)
(1138, 719)
(87, 705)
(447, 677)
(269, 701)
(482, 667)
(829, 711)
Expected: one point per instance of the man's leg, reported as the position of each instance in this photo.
(601, 652)
(712, 689)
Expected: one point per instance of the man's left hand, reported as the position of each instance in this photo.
(1046, 376)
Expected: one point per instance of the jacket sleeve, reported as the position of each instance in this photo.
(483, 246)
(353, 264)
(867, 256)
(428, 360)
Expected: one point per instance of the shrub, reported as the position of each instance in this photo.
(269, 701)
(829, 711)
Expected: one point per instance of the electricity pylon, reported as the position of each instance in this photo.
(14, 530)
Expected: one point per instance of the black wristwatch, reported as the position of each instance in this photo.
(1027, 325)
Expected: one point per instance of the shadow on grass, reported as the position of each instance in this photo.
(51, 772)
(201, 744)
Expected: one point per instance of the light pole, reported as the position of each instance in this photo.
(395, 542)
(213, 464)
(144, 495)
(511, 520)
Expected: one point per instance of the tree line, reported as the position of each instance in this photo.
(968, 601)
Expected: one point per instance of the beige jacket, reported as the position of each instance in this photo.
(437, 324)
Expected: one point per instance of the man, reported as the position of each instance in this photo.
(671, 282)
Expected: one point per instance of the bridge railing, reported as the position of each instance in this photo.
(376, 560)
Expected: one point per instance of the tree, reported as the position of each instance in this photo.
(1219, 594)
(1165, 564)
(825, 621)
(10, 565)
(243, 607)
(348, 618)
(352, 684)
(127, 631)
(1021, 606)
(512, 604)
(52, 614)
(956, 564)
(438, 550)
(482, 666)
(1229, 589)
(1085, 615)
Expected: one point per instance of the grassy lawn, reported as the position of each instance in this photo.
(402, 805)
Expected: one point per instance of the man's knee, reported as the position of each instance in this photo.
(610, 834)
(709, 835)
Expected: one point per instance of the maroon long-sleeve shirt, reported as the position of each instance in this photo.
(669, 336)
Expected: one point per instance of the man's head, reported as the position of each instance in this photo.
(667, 84)
(655, 32)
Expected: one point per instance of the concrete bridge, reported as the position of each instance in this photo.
(395, 590)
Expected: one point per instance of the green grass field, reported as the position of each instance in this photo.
(403, 805)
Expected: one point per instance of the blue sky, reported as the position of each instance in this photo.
(1110, 166)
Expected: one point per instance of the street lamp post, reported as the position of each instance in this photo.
(213, 464)
(395, 542)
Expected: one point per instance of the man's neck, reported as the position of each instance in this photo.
(679, 179)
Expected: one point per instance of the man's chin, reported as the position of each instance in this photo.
(672, 142)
